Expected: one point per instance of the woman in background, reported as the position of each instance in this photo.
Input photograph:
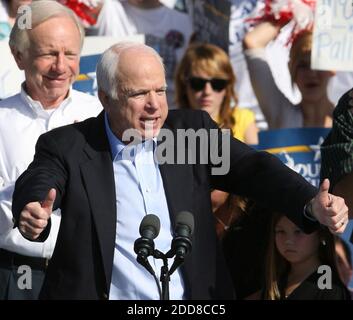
(205, 80)
(315, 109)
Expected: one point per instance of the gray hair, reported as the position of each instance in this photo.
(108, 65)
(41, 11)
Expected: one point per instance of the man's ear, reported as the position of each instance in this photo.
(18, 56)
(103, 98)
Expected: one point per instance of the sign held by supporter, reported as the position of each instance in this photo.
(211, 22)
(298, 148)
(333, 36)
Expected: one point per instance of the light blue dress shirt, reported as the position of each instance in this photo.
(139, 191)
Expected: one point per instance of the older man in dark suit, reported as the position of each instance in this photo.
(105, 184)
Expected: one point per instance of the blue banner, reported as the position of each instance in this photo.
(298, 148)
(86, 81)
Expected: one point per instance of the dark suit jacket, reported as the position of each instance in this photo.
(76, 160)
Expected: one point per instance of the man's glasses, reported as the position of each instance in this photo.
(198, 84)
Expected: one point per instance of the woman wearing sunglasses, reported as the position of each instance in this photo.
(205, 80)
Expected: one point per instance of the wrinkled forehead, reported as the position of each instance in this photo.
(144, 71)
(134, 62)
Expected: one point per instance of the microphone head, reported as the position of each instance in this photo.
(185, 218)
(151, 224)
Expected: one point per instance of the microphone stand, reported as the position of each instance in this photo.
(179, 258)
(164, 274)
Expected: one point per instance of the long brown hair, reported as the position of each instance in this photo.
(278, 268)
(210, 59)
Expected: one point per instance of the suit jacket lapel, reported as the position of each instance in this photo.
(98, 176)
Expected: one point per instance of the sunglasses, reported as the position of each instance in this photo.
(198, 84)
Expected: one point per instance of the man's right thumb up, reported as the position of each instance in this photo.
(48, 203)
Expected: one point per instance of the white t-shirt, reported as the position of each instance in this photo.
(23, 120)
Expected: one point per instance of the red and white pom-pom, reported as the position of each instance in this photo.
(303, 13)
(277, 10)
(84, 9)
(283, 11)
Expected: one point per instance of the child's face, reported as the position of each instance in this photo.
(293, 244)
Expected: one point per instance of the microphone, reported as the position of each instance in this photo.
(144, 246)
(181, 244)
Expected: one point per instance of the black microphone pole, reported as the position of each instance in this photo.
(181, 246)
(164, 278)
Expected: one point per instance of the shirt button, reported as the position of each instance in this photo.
(105, 296)
(148, 190)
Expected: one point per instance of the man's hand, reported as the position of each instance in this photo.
(35, 215)
(330, 210)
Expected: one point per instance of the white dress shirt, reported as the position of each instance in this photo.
(22, 121)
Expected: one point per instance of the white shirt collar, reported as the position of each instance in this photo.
(117, 146)
(37, 107)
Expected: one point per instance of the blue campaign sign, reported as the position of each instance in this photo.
(86, 81)
(298, 148)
